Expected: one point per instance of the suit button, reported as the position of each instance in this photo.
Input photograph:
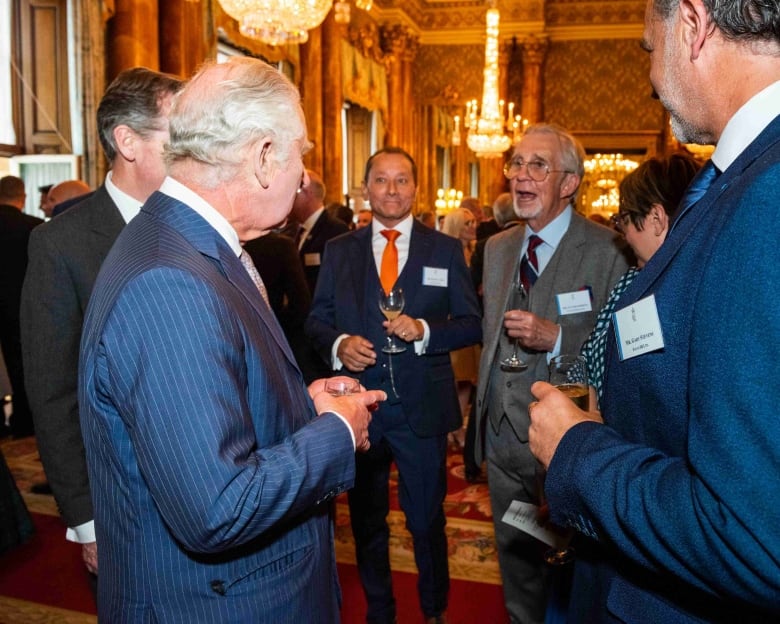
(508, 384)
(218, 587)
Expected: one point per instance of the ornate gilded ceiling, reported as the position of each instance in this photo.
(436, 21)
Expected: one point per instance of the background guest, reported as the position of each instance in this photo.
(66, 194)
(462, 225)
(531, 272)
(411, 428)
(65, 257)
(15, 229)
(364, 217)
(649, 197)
(342, 213)
(428, 219)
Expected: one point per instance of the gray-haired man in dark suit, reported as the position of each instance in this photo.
(65, 257)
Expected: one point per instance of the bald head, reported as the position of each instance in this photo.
(62, 192)
(310, 198)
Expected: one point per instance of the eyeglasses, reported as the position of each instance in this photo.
(538, 170)
(620, 220)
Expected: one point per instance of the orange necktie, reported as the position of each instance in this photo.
(388, 271)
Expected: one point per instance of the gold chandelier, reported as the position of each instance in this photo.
(486, 128)
(277, 22)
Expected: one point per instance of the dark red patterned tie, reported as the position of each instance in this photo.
(529, 265)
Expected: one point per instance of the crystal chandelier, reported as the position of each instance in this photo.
(277, 22)
(486, 128)
(342, 9)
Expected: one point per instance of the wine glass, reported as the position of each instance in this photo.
(568, 373)
(392, 304)
(513, 364)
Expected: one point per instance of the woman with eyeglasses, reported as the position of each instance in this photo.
(649, 197)
(462, 224)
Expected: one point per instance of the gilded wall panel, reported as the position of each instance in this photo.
(600, 86)
(443, 69)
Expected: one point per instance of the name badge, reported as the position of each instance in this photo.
(435, 277)
(638, 329)
(311, 259)
(573, 302)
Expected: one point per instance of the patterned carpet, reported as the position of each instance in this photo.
(472, 553)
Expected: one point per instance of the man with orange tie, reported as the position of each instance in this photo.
(348, 329)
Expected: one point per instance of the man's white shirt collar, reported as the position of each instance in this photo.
(746, 124)
(128, 206)
(177, 190)
(309, 223)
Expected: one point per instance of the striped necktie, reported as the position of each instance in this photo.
(254, 275)
(529, 265)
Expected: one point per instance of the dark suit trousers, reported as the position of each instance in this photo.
(422, 486)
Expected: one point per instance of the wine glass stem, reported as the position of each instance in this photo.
(392, 376)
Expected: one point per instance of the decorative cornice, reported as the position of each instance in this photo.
(462, 22)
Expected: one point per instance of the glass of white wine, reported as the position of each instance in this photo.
(392, 304)
(568, 373)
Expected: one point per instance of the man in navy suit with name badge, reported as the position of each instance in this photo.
(676, 493)
(346, 326)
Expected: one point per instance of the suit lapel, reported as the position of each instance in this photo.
(105, 220)
(692, 219)
(210, 244)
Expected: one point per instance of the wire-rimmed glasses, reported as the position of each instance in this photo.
(537, 170)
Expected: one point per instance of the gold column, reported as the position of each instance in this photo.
(400, 47)
(187, 36)
(534, 50)
(312, 100)
(132, 38)
(409, 128)
(330, 151)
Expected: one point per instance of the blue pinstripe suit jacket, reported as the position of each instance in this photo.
(210, 472)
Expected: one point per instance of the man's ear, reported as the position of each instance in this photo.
(658, 219)
(364, 189)
(696, 25)
(570, 184)
(125, 139)
(264, 165)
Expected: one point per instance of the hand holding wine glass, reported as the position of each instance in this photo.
(568, 373)
(513, 363)
(392, 304)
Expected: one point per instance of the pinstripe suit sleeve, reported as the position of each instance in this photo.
(205, 403)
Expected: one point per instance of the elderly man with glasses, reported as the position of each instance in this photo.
(544, 283)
